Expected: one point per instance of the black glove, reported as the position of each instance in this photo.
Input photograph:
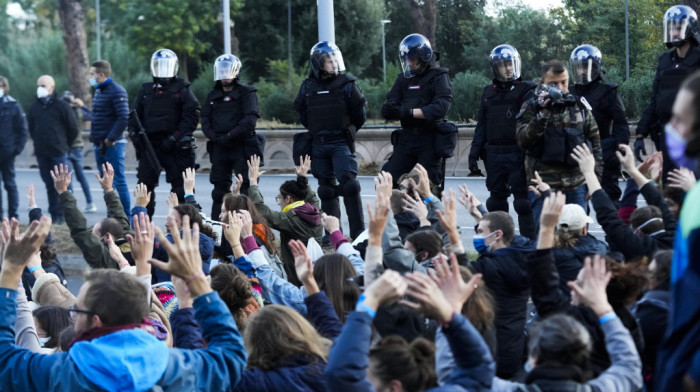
(639, 148)
(224, 139)
(406, 113)
(391, 111)
(473, 160)
(168, 144)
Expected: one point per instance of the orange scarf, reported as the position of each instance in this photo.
(259, 230)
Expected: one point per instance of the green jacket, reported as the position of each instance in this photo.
(532, 133)
(300, 223)
(94, 251)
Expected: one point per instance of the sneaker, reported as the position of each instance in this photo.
(90, 208)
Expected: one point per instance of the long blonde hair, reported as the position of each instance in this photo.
(277, 333)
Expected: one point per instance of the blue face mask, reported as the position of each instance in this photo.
(479, 242)
(94, 83)
(675, 144)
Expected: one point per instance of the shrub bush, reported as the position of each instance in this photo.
(467, 89)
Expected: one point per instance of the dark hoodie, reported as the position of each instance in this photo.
(300, 223)
(570, 261)
(505, 274)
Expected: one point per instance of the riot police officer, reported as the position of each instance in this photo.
(420, 99)
(229, 115)
(586, 63)
(681, 34)
(495, 138)
(332, 108)
(169, 113)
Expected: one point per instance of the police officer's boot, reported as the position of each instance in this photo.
(350, 190)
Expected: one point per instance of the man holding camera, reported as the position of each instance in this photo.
(549, 127)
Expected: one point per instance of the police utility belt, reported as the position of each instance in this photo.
(327, 139)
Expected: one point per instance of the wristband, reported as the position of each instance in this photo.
(607, 317)
(194, 277)
(34, 268)
(428, 199)
(361, 307)
(189, 194)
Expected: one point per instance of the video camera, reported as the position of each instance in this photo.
(558, 100)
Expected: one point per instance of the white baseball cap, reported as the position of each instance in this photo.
(573, 217)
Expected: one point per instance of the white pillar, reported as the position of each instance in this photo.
(326, 21)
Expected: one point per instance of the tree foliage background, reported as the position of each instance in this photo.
(465, 31)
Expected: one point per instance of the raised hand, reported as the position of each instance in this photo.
(61, 178)
(427, 297)
(469, 201)
(236, 185)
(551, 210)
(383, 184)
(142, 243)
(254, 170)
(449, 279)
(184, 298)
(539, 186)
(448, 218)
(18, 250)
(417, 207)
(584, 158)
(188, 178)
(590, 289)
(232, 231)
(626, 157)
(172, 201)
(142, 196)
(682, 178)
(388, 288)
(423, 185)
(304, 266)
(115, 252)
(246, 223)
(377, 219)
(330, 223)
(30, 195)
(107, 177)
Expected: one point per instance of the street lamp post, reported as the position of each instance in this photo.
(98, 30)
(384, 21)
(226, 8)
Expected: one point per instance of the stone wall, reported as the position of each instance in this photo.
(373, 145)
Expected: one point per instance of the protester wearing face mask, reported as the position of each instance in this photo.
(53, 128)
(501, 261)
(49, 322)
(13, 133)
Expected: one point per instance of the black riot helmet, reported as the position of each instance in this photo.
(326, 60)
(415, 47)
(680, 25)
(505, 63)
(586, 62)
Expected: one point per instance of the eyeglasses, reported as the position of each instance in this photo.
(74, 311)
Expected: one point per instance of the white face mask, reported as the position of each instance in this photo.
(43, 341)
(2, 93)
(42, 92)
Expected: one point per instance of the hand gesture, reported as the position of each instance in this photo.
(388, 288)
(142, 196)
(590, 289)
(416, 206)
(330, 223)
(682, 178)
(428, 298)
(184, 298)
(469, 201)
(626, 157)
(383, 184)
(142, 243)
(551, 210)
(237, 184)
(18, 250)
(304, 166)
(172, 201)
(115, 252)
(107, 177)
(540, 186)
(254, 170)
(423, 185)
(303, 266)
(378, 218)
(61, 178)
(188, 178)
(185, 261)
(448, 218)
(246, 223)
(30, 195)
(584, 158)
(232, 231)
(449, 280)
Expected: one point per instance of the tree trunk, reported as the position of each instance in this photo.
(182, 58)
(72, 15)
(424, 18)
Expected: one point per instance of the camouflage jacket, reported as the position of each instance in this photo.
(532, 133)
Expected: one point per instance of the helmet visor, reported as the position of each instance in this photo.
(584, 71)
(675, 30)
(332, 63)
(226, 69)
(506, 70)
(410, 65)
(164, 67)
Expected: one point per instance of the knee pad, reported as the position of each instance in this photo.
(217, 194)
(522, 206)
(349, 185)
(327, 189)
(495, 203)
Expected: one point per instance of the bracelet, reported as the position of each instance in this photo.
(34, 268)
(428, 199)
(189, 194)
(361, 307)
(607, 317)
(194, 277)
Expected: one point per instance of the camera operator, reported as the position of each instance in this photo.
(549, 127)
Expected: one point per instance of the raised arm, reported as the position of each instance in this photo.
(115, 209)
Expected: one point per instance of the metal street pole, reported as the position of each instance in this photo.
(384, 21)
(627, 42)
(227, 26)
(326, 21)
(98, 29)
(289, 42)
